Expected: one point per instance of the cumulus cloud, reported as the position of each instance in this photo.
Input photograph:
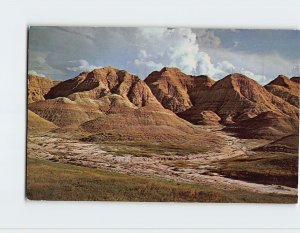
(149, 64)
(205, 66)
(33, 72)
(223, 68)
(179, 47)
(61, 53)
(259, 78)
(226, 66)
(174, 47)
(167, 47)
(269, 65)
(80, 65)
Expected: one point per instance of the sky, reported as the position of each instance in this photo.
(61, 53)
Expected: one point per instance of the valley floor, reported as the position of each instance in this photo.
(203, 177)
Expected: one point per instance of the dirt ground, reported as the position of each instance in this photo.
(191, 168)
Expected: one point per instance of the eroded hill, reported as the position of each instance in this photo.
(114, 104)
(38, 87)
(236, 101)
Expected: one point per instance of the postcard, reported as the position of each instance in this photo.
(163, 114)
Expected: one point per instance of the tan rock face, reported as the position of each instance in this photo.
(239, 97)
(296, 79)
(142, 124)
(236, 99)
(37, 122)
(38, 87)
(175, 90)
(205, 118)
(102, 82)
(65, 112)
(111, 102)
(268, 125)
(286, 89)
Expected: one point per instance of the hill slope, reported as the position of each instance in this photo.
(175, 90)
(109, 102)
(38, 87)
(37, 122)
(296, 79)
(286, 89)
(236, 99)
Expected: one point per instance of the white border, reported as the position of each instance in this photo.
(15, 16)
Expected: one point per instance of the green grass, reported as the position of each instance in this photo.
(148, 149)
(263, 167)
(55, 181)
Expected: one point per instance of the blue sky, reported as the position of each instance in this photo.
(61, 53)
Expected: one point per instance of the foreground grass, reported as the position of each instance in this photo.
(54, 181)
(264, 167)
(148, 149)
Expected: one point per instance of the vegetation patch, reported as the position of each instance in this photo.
(55, 181)
(265, 168)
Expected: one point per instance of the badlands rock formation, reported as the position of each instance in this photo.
(296, 79)
(175, 90)
(102, 82)
(38, 87)
(37, 122)
(236, 99)
(116, 102)
(109, 101)
(286, 89)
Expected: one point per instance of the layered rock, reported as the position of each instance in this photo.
(102, 82)
(91, 94)
(175, 90)
(38, 87)
(236, 98)
(143, 124)
(205, 118)
(268, 125)
(235, 101)
(65, 112)
(38, 123)
(286, 89)
(296, 79)
(113, 102)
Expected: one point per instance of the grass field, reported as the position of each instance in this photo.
(55, 181)
(264, 167)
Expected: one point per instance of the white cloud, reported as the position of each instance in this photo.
(80, 65)
(259, 78)
(143, 50)
(167, 47)
(226, 66)
(179, 47)
(149, 64)
(223, 68)
(176, 47)
(33, 72)
(205, 66)
(268, 65)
